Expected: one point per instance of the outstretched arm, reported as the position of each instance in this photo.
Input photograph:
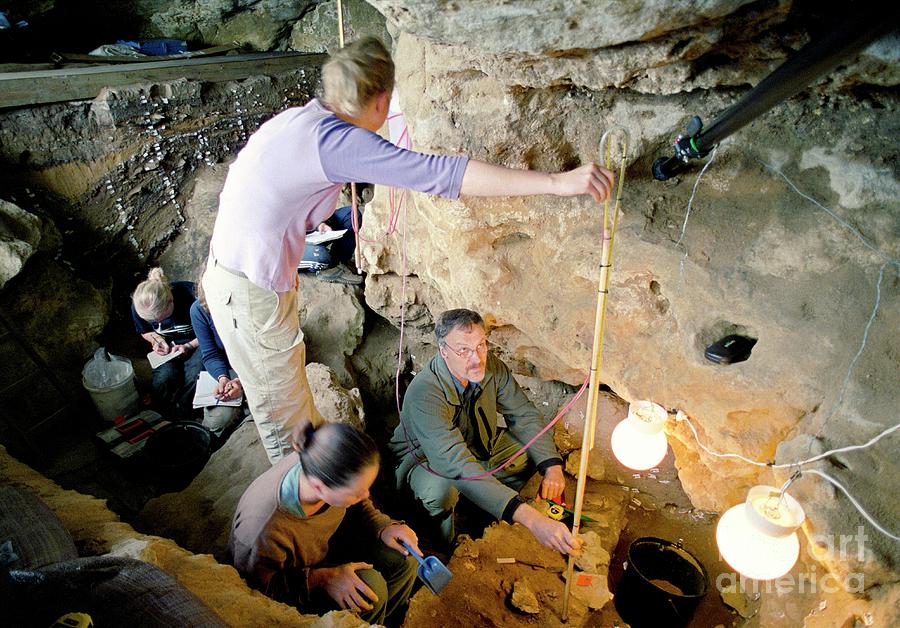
(483, 179)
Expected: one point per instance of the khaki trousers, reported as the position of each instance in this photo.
(261, 332)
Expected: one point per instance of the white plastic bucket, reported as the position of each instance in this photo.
(115, 401)
(110, 381)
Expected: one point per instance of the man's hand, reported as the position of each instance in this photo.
(158, 343)
(184, 349)
(343, 586)
(161, 346)
(550, 533)
(587, 179)
(396, 532)
(553, 484)
(323, 228)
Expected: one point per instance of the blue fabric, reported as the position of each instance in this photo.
(174, 383)
(288, 495)
(343, 248)
(177, 327)
(215, 360)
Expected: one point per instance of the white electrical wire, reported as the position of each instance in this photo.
(840, 450)
(855, 359)
(690, 204)
(843, 223)
(853, 501)
(682, 417)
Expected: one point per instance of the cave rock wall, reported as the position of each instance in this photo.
(534, 85)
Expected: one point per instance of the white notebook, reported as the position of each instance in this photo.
(157, 359)
(205, 394)
(320, 238)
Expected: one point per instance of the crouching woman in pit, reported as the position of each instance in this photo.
(305, 532)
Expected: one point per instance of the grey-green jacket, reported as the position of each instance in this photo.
(435, 426)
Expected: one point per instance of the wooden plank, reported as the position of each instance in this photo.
(47, 86)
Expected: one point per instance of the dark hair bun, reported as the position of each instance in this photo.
(302, 435)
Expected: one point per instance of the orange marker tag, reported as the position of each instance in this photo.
(584, 580)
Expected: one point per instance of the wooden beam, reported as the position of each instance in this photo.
(46, 86)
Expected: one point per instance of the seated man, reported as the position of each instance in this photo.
(449, 422)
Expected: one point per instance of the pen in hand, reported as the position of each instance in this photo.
(160, 346)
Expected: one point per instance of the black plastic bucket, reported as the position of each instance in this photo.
(176, 453)
(661, 586)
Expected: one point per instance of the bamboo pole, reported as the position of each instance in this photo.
(610, 222)
(340, 20)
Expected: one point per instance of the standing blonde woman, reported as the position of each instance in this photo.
(161, 312)
(285, 182)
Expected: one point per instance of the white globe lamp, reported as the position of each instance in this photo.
(638, 441)
(759, 537)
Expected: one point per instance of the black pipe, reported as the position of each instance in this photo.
(813, 60)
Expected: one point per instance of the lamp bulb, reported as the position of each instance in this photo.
(638, 441)
(758, 538)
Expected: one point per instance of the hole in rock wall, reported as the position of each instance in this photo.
(718, 330)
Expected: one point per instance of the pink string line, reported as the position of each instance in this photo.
(396, 206)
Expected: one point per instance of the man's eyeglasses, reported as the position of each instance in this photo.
(465, 353)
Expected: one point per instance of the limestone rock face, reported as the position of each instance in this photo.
(738, 251)
(335, 404)
(59, 313)
(217, 22)
(332, 320)
(306, 25)
(544, 27)
(317, 29)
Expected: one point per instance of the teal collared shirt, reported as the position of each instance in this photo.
(456, 428)
(289, 492)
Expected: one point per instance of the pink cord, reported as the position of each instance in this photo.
(395, 206)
